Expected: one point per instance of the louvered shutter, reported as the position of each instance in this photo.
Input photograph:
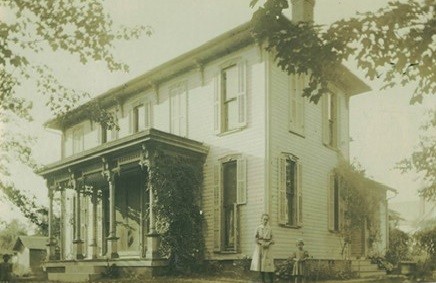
(236, 226)
(241, 181)
(342, 206)
(217, 204)
(331, 202)
(242, 94)
(183, 110)
(337, 114)
(292, 103)
(325, 120)
(148, 114)
(282, 200)
(131, 120)
(300, 103)
(217, 103)
(299, 194)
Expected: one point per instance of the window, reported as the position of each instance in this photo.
(78, 140)
(139, 117)
(335, 203)
(296, 104)
(229, 193)
(290, 191)
(178, 110)
(330, 120)
(230, 101)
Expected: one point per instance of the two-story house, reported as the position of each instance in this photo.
(265, 149)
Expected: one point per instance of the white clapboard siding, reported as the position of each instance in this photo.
(316, 160)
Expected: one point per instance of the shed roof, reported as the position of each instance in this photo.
(31, 242)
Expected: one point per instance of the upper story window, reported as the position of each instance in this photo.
(139, 116)
(106, 134)
(178, 109)
(290, 191)
(297, 84)
(230, 110)
(330, 113)
(78, 139)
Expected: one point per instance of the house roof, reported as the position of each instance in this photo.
(381, 186)
(224, 44)
(31, 242)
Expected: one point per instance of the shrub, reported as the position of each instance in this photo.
(426, 239)
(318, 270)
(399, 243)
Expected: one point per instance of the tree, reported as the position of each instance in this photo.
(9, 234)
(395, 43)
(423, 159)
(27, 27)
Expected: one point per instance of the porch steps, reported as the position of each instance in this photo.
(366, 269)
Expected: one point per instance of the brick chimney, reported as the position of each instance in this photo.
(302, 10)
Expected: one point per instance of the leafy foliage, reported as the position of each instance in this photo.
(9, 233)
(395, 44)
(427, 240)
(361, 198)
(423, 160)
(81, 28)
(177, 181)
(399, 246)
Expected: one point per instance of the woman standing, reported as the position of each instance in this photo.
(262, 259)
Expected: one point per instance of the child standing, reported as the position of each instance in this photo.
(5, 269)
(299, 258)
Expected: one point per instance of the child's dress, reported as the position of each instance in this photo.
(300, 257)
(262, 259)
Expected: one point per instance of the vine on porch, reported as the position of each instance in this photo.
(361, 202)
(177, 183)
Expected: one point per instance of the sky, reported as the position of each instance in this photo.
(384, 127)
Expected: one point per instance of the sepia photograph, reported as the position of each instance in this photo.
(218, 141)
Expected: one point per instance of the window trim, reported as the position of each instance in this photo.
(241, 199)
(183, 84)
(241, 97)
(296, 84)
(281, 186)
(73, 143)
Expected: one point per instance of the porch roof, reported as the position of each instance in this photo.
(150, 137)
(221, 45)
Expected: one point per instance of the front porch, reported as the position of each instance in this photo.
(105, 201)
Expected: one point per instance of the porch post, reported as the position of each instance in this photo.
(112, 239)
(51, 240)
(78, 243)
(153, 238)
(93, 245)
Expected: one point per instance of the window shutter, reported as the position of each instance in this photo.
(341, 204)
(292, 103)
(299, 194)
(147, 115)
(338, 120)
(300, 103)
(331, 202)
(236, 226)
(217, 207)
(217, 103)
(131, 120)
(282, 200)
(325, 120)
(242, 94)
(241, 181)
(183, 110)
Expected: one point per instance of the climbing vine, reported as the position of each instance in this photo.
(361, 197)
(177, 183)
